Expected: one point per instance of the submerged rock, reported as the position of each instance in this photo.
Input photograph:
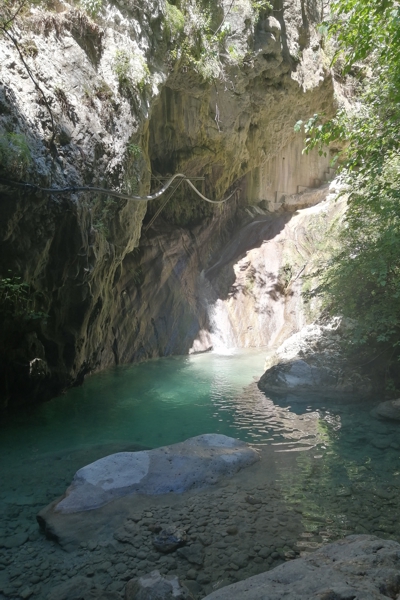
(79, 588)
(169, 539)
(312, 362)
(155, 586)
(389, 410)
(195, 463)
(360, 567)
(194, 554)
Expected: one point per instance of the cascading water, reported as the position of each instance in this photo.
(222, 334)
(253, 293)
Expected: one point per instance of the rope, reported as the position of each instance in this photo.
(74, 188)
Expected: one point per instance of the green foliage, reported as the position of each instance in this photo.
(134, 150)
(234, 54)
(175, 20)
(103, 91)
(286, 274)
(362, 279)
(131, 70)
(200, 40)
(17, 301)
(92, 7)
(260, 5)
(15, 154)
(104, 212)
(121, 66)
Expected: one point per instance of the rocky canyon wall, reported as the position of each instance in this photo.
(127, 105)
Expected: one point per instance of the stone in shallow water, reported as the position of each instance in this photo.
(169, 539)
(73, 589)
(195, 463)
(388, 410)
(154, 586)
(193, 554)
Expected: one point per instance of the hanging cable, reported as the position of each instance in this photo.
(74, 189)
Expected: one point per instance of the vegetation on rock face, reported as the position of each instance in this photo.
(17, 304)
(15, 154)
(362, 279)
(204, 34)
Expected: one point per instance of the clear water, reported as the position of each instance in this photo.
(159, 402)
(341, 458)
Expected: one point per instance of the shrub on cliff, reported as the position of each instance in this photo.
(15, 154)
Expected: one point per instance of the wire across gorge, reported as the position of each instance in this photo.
(154, 196)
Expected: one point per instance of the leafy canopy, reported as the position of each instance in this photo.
(362, 279)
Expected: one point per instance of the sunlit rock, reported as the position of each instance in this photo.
(311, 362)
(389, 410)
(361, 567)
(195, 463)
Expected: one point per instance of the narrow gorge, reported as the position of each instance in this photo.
(128, 109)
(181, 415)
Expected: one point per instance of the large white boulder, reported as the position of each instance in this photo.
(195, 463)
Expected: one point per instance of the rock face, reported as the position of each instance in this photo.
(360, 567)
(389, 410)
(311, 362)
(253, 291)
(195, 463)
(125, 106)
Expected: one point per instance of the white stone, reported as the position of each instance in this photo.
(195, 463)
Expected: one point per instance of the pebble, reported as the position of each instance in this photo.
(191, 574)
(120, 568)
(232, 530)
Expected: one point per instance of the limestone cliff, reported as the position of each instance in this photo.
(129, 101)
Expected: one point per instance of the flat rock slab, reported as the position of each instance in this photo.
(360, 567)
(195, 463)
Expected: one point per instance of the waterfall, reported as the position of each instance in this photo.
(221, 331)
